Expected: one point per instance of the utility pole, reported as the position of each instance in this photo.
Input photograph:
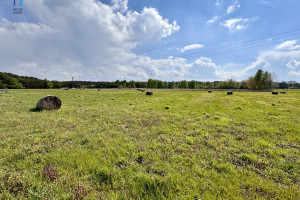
(72, 82)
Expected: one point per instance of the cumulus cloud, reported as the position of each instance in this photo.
(294, 65)
(288, 45)
(212, 20)
(95, 41)
(217, 3)
(241, 74)
(120, 5)
(84, 38)
(177, 68)
(232, 8)
(235, 23)
(191, 47)
(284, 63)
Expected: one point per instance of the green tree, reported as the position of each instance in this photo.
(160, 84)
(50, 84)
(152, 83)
(132, 84)
(173, 85)
(183, 84)
(258, 78)
(261, 81)
(193, 84)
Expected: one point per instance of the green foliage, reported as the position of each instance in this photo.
(205, 146)
(229, 84)
(10, 82)
(265, 80)
(152, 83)
(261, 81)
(174, 85)
(183, 84)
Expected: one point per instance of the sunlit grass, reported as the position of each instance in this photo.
(122, 144)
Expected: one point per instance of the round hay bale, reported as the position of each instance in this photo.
(229, 92)
(167, 107)
(209, 91)
(49, 103)
(274, 92)
(149, 93)
(282, 92)
(142, 90)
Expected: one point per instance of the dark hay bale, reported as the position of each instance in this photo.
(229, 92)
(282, 92)
(149, 93)
(142, 90)
(138, 89)
(99, 90)
(167, 107)
(209, 91)
(49, 103)
(275, 92)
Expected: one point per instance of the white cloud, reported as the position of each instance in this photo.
(149, 26)
(217, 3)
(293, 64)
(191, 47)
(84, 38)
(235, 23)
(94, 41)
(232, 8)
(286, 64)
(288, 45)
(283, 63)
(214, 19)
(120, 5)
(242, 74)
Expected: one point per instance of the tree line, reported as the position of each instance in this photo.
(262, 80)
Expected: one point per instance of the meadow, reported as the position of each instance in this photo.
(122, 144)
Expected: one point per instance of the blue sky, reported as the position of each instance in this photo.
(201, 40)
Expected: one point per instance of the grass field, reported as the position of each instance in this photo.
(122, 144)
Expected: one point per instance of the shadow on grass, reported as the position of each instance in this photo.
(34, 110)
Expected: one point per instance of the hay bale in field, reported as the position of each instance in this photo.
(99, 90)
(274, 92)
(4, 90)
(65, 88)
(49, 103)
(209, 91)
(282, 92)
(229, 92)
(149, 93)
(142, 90)
(138, 89)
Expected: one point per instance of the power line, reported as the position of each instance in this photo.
(245, 45)
(230, 50)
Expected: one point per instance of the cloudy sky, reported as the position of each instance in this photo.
(107, 40)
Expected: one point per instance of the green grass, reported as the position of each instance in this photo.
(122, 144)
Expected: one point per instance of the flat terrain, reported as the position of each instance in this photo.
(122, 144)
